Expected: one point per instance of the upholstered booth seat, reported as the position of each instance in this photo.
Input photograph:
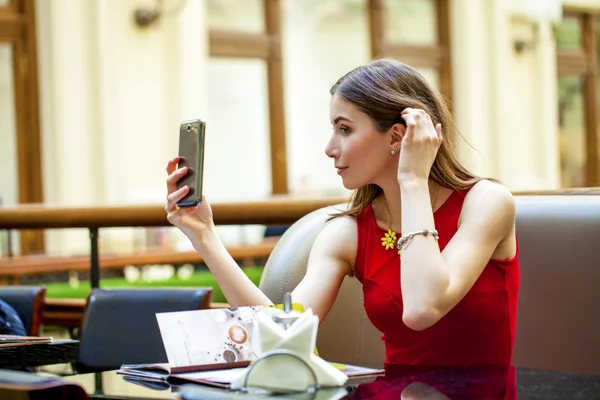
(558, 325)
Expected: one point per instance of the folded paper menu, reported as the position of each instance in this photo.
(15, 340)
(211, 346)
(222, 378)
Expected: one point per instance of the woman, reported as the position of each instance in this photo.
(450, 298)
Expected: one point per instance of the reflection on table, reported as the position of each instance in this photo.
(400, 382)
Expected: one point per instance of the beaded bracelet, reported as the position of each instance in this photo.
(405, 240)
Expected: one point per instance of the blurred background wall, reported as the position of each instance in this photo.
(112, 94)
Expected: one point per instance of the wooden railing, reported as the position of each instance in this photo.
(68, 312)
(271, 212)
(559, 192)
(279, 211)
(11, 269)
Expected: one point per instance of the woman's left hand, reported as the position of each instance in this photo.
(419, 145)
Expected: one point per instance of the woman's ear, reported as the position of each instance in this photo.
(396, 134)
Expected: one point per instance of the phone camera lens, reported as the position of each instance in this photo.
(189, 127)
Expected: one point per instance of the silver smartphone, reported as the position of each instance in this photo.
(191, 155)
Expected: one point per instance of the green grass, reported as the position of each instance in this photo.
(60, 290)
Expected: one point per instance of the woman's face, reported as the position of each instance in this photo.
(361, 154)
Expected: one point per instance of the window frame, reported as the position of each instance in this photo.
(225, 43)
(18, 28)
(419, 56)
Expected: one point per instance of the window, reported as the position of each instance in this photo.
(322, 41)
(578, 52)
(572, 131)
(252, 29)
(413, 31)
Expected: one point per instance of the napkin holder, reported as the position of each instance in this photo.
(305, 379)
(286, 361)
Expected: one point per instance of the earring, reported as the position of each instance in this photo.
(393, 151)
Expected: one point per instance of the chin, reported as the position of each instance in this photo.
(351, 185)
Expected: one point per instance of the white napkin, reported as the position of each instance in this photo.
(281, 372)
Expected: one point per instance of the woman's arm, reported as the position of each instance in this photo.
(331, 258)
(237, 288)
(198, 225)
(433, 282)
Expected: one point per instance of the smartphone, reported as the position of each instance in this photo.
(191, 155)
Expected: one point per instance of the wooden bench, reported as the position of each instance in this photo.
(12, 269)
(68, 313)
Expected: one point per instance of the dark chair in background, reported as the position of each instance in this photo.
(16, 385)
(275, 230)
(120, 327)
(28, 302)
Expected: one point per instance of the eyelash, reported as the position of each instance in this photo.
(344, 130)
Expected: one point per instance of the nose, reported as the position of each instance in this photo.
(332, 150)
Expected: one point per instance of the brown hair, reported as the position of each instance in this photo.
(382, 89)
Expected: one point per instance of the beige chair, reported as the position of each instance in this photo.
(558, 323)
(346, 335)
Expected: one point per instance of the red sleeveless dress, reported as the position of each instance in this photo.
(479, 330)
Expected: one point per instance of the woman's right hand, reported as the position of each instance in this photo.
(192, 221)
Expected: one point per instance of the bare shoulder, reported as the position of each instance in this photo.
(488, 195)
(338, 240)
(492, 204)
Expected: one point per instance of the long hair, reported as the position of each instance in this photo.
(382, 89)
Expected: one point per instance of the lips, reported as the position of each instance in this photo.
(340, 170)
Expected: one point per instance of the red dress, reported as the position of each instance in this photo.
(479, 330)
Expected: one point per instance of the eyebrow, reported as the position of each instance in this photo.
(340, 118)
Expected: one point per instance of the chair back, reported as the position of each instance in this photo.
(559, 300)
(120, 327)
(17, 385)
(28, 302)
(346, 335)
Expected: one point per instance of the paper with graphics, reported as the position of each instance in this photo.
(209, 337)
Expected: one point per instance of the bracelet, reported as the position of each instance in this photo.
(405, 240)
